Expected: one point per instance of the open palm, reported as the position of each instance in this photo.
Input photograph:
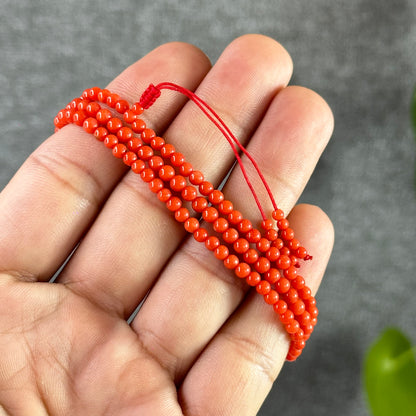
(202, 343)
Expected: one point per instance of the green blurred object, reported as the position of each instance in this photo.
(390, 375)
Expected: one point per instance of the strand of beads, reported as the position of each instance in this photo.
(268, 259)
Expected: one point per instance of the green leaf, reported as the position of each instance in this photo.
(390, 375)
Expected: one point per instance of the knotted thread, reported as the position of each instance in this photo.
(150, 95)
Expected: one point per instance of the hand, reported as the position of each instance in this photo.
(202, 344)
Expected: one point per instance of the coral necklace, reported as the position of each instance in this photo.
(268, 259)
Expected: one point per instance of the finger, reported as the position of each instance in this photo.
(243, 81)
(298, 123)
(54, 197)
(241, 363)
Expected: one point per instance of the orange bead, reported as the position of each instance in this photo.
(174, 203)
(251, 256)
(196, 177)
(121, 106)
(134, 144)
(206, 188)
(91, 93)
(225, 207)
(147, 135)
(263, 287)
(103, 116)
(137, 108)
(291, 296)
(267, 224)
(114, 124)
(271, 298)
(285, 251)
(124, 134)
(230, 235)
(263, 245)
(138, 125)
(221, 252)
(235, 217)
(110, 141)
(147, 175)
(278, 214)
(231, 262)
(301, 253)
(220, 225)
(298, 308)
(177, 183)
(272, 234)
(298, 282)
(212, 242)
(92, 109)
(241, 245)
(157, 143)
(210, 214)
(253, 279)
(129, 116)
(145, 152)
(164, 194)
(280, 307)
(282, 285)
(189, 193)
(313, 310)
(294, 244)
(155, 163)
(253, 236)
(242, 270)
(90, 124)
(166, 172)
(245, 226)
(287, 234)
(182, 214)
(177, 159)
(186, 169)
(199, 204)
(102, 95)
(273, 254)
(79, 117)
(100, 133)
(112, 99)
(262, 265)
(272, 275)
(290, 273)
(216, 197)
(305, 293)
(191, 225)
(278, 243)
(283, 224)
(129, 158)
(155, 185)
(119, 150)
(292, 327)
(201, 234)
(137, 166)
(167, 150)
(283, 262)
(287, 317)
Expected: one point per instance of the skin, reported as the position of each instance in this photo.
(203, 343)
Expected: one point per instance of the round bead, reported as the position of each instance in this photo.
(282, 285)
(221, 252)
(189, 193)
(114, 124)
(305, 293)
(251, 256)
(138, 125)
(177, 159)
(301, 253)
(225, 207)
(79, 117)
(129, 158)
(124, 134)
(253, 279)
(287, 317)
(156, 185)
(100, 133)
(206, 188)
(241, 245)
(230, 235)
(291, 295)
(91, 93)
(92, 109)
(220, 225)
(212, 242)
(272, 234)
(137, 166)
(263, 287)
(145, 152)
(102, 95)
(242, 270)
(216, 197)
(177, 183)
(267, 224)
(201, 234)
(292, 327)
(283, 224)
(311, 301)
(134, 144)
(119, 150)
(290, 273)
(263, 245)
(298, 282)
(147, 175)
(147, 135)
(284, 251)
(235, 217)
(210, 214)
(294, 244)
(313, 310)
(112, 100)
(155, 163)
(272, 275)
(280, 307)
(121, 106)
(166, 172)
(253, 236)
(283, 262)
(157, 143)
(262, 265)
(196, 177)
(167, 150)
(103, 116)
(110, 141)
(278, 214)
(199, 204)
(287, 234)
(278, 243)
(164, 194)
(182, 214)
(271, 298)
(231, 262)
(273, 254)
(137, 108)
(298, 308)
(174, 203)
(191, 225)
(245, 226)
(129, 116)
(305, 318)
(90, 124)
(186, 169)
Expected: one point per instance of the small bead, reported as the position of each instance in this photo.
(216, 197)
(206, 188)
(182, 214)
(147, 135)
(294, 244)
(210, 214)
(287, 317)
(200, 235)
(156, 163)
(189, 193)
(298, 282)
(191, 225)
(92, 109)
(156, 185)
(280, 307)
(138, 125)
(278, 214)
(305, 318)
(253, 279)
(313, 310)
(196, 177)
(129, 116)
(145, 152)
(134, 144)
(287, 234)
(186, 169)
(263, 245)
(272, 275)
(235, 217)
(147, 175)
(221, 252)
(230, 235)
(231, 262)
(278, 243)
(311, 301)
(91, 93)
(305, 293)
(220, 225)
(241, 245)
(283, 262)
(242, 270)
(272, 234)
(157, 143)
(112, 99)
(273, 254)
(90, 124)
(267, 224)
(110, 141)
(307, 329)
(290, 273)
(177, 183)
(301, 253)
(271, 298)
(262, 265)
(174, 203)
(263, 287)
(212, 242)
(299, 344)
(119, 150)
(199, 204)
(166, 172)
(298, 308)
(167, 150)
(253, 236)
(251, 256)
(282, 285)
(124, 134)
(164, 194)
(129, 158)
(138, 166)
(137, 108)
(121, 106)
(74, 103)
(291, 296)
(177, 159)
(114, 124)
(103, 116)
(102, 95)
(292, 327)
(285, 251)
(100, 133)
(225, 207)
(79, 117)
(245, 226)
(298, 336)
(283, 224)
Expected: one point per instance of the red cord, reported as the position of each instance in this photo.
(153, 92)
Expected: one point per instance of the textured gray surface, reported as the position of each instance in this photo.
(358, 54)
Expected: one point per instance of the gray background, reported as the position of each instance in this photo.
(359, 55)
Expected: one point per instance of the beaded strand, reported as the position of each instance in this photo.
(267, 257)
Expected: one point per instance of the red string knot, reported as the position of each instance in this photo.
(149, 97)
